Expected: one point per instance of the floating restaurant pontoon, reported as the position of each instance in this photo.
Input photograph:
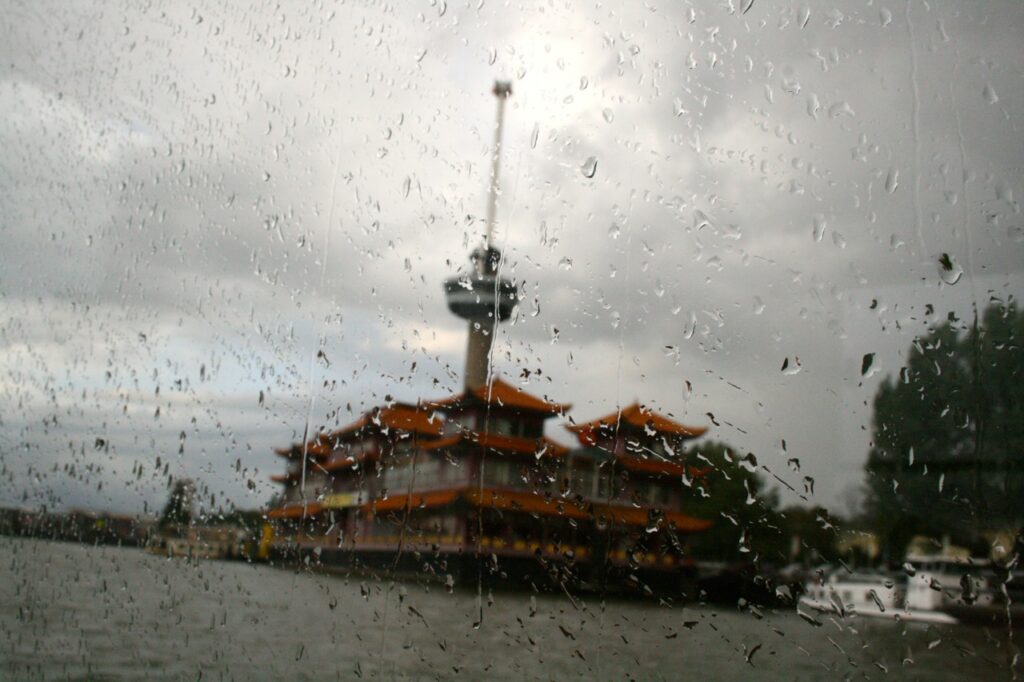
(468, 486)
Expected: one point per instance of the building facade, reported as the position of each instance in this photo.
(469, 487)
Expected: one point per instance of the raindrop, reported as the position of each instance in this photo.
(534, 135)
(949, 269)
(866, 362)
(746, 5)
(758, 305)
(989, 93)
(608, 115)
(614, 231)
(840, 109)
(406, 186)
(791, 368)
(691, 326)
(589, 167)
(804, 16)
(819, 227)
(420, 55)
(892, 181)
(749, 462)
(492, 56)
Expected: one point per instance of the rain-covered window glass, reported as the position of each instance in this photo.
(476, 340)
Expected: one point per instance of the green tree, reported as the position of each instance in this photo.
(948, 435)
(811, 534)
(732, 493)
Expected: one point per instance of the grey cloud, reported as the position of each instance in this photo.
(235, 188)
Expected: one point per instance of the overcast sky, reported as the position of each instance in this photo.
(196, 199)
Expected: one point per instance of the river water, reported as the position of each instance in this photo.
(103, 613)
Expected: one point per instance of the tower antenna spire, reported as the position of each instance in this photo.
(502, 90)
(483, 297)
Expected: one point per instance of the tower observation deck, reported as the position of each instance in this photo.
(484, 297)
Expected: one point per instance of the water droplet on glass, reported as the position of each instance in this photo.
(758, 305)
(989, 93)
(949, 270)
(608, 115)
(791, 368)
(866, 362)
(691, 326)
(534, 136)
(589, 167)
(819, 227)
(804, 16)
(892, 181)
(565, 263)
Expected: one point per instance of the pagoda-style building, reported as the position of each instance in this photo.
(630, 471)
(470, 487)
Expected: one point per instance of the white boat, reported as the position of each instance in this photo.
(964, 589)
(870, 595)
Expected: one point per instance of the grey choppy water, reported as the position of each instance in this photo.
(102, 613)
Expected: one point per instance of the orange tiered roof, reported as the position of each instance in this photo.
(414, 501)
(639, 416)
(632, 516)
(318, 447)
(400, 417)
(533, 503)
(649, 465)
(511, 500)
(294, 510)
(500, 393)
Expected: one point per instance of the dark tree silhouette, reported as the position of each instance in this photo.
(732, 494)
(178, 510)
(947, 456)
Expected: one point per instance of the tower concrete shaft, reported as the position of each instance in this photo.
(478, 353)
(483, 297)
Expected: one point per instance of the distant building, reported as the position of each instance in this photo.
(471, 480)
(471, 485)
